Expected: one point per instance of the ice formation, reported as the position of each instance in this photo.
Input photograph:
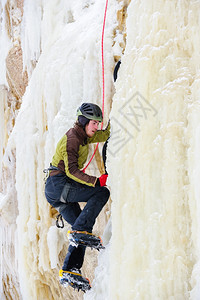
(153, 245)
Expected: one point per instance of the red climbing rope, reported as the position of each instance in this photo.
(102, 60)
(103, 80)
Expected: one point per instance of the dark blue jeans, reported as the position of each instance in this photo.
(64, 196)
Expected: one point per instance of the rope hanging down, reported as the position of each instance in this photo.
(103, 80)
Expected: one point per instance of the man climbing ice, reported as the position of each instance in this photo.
(67, 185)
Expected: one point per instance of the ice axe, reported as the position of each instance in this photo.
(104, 154)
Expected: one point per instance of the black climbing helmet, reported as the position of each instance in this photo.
(90, 111)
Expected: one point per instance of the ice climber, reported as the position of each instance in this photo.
(67, 185)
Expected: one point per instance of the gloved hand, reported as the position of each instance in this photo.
(103, 179)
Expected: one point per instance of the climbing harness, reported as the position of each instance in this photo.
(103, 80)
(46, 171)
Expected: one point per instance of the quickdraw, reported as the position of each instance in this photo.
(59, 218)
(46, 171)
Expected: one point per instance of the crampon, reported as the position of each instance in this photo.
(75, 280)
(85, 238)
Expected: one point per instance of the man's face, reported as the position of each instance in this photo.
(91, 127)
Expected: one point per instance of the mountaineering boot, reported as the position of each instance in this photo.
(85, 238)
(74, 279)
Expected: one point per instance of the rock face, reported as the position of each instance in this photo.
(16, 78)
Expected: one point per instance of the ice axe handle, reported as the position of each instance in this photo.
(104, 154)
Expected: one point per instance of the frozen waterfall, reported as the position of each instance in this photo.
(50, 63)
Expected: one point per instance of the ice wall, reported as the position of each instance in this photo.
(155, 167)
(152, 248)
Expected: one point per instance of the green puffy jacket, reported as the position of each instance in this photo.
(72, 152)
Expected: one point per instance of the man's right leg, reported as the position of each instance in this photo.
(96, 198)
